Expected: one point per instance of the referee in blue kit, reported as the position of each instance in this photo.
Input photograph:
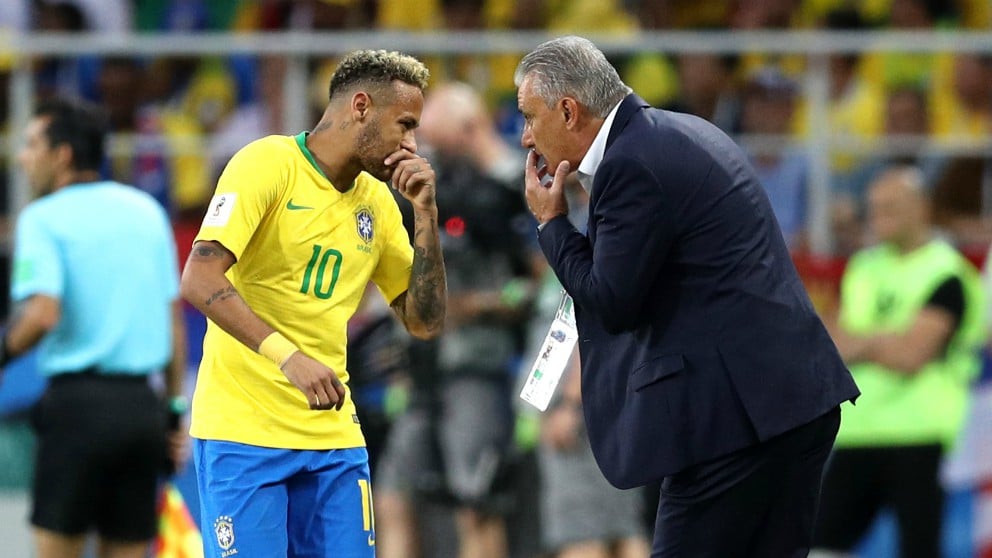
(95, 287)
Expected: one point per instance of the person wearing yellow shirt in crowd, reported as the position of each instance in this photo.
(912, 320)
(962, 110)
(296, 230)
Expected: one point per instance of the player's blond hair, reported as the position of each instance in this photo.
(377, 68)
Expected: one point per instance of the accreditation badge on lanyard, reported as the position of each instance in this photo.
(553, 357)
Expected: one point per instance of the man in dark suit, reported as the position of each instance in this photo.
(704, 364)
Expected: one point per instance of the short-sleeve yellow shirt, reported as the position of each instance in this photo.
(305, 254)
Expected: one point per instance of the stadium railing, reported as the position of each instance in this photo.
(817, 46)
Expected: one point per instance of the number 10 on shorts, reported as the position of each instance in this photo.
(368, 514)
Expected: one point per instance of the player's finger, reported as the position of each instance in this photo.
(339, 389)
(321, 399)
(560, 173)
(401, 175)
(393, 158)
(399, 155)
(410, 171)
(329, 393)
(420, 179)
(530, 168)
(425, 173)
(324, 401)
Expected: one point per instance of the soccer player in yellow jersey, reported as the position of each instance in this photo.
(297, 228)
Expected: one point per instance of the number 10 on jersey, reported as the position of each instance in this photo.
(320, 259)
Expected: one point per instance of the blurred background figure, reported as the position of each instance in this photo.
(258, 118)
(57, 75)
(769, 101)
(707, 88)
(378, 367)
(454, 442)
(906, 127)
(103, 438)
(964, 110)
(912, 319)
(855, 101)
(962, 199)
(582, 515)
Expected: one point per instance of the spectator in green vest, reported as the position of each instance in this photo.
(910, 327)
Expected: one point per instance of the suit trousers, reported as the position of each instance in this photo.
(758, 502)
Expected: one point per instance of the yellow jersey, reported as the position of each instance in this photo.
(305, 254)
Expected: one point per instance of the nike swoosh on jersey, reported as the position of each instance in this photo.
(292, 206)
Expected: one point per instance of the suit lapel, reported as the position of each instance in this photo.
(630, 105)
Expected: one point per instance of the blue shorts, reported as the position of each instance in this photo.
(277, 503)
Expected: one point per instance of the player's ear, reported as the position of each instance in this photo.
(63, 155)
(360, 104)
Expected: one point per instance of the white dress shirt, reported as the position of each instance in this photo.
(590, 163)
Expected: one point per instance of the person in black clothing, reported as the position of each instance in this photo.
(454, 440)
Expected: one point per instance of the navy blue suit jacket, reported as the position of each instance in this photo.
(696, 335)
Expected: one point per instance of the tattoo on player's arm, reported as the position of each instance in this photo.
(428, 288)
(222, 294)
(203, 250)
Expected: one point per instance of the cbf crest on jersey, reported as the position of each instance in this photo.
(365, 224)
(224, 530)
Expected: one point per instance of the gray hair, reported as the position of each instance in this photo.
(573, 66)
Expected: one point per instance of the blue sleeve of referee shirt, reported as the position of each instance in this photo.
(38, 267)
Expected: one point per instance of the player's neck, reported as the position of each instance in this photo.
(913, 240)
(324, 147)
(70, 177)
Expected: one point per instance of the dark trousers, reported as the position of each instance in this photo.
(859, 482)
(759, 502)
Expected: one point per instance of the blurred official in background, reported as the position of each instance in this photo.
(911, 324)
(96, 284)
